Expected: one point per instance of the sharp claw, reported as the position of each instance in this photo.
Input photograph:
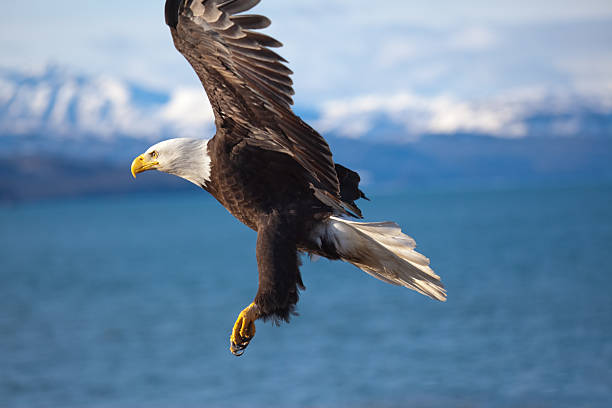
(237, 350)
(238, 346)
(244, 330)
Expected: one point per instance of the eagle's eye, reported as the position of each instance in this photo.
(154, 154)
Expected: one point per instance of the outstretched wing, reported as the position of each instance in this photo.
(247, 83)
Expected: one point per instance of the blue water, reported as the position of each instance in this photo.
(129, 301)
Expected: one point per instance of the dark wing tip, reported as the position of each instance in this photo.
(237, 6)
(172, 12)
(251, 21)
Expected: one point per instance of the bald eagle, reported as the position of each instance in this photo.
(270, 169)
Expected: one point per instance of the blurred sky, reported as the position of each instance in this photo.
(471, 49)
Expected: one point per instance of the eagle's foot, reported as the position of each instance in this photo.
(244, 329)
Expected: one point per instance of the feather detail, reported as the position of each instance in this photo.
(237, 6)
(251, 21)
(383, 251)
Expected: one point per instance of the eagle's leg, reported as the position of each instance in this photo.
(244, 329)
(279, 278)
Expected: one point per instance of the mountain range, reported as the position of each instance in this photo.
(65, 133)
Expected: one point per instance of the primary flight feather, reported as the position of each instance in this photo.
(270, 169)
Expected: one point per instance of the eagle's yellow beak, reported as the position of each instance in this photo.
(141, 164)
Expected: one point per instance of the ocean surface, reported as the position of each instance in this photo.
(128, 302)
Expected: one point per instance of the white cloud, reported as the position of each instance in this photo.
(473, 39)
(397, 51)
(449, 116)
(189, 105)
(190, 112)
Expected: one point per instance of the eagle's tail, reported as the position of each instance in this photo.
(383, 251)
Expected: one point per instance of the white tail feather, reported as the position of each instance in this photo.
(383, 251)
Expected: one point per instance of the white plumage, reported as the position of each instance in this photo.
(183, 157)
(383, 251)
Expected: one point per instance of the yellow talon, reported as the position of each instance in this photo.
(244, 329)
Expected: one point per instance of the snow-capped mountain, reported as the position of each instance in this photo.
(532, 112)
(55, 103)
(60, 104)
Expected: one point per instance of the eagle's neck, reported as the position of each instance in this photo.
(190, 160)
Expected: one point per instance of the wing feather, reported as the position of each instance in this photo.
(280, 80)
(248, 83)
(263, 40)
(251, 22)
(261, 54)
(233, 32)
(268, 66)
(237, 6)
(210, 14)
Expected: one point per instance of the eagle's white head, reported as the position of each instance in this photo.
(185, 158)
